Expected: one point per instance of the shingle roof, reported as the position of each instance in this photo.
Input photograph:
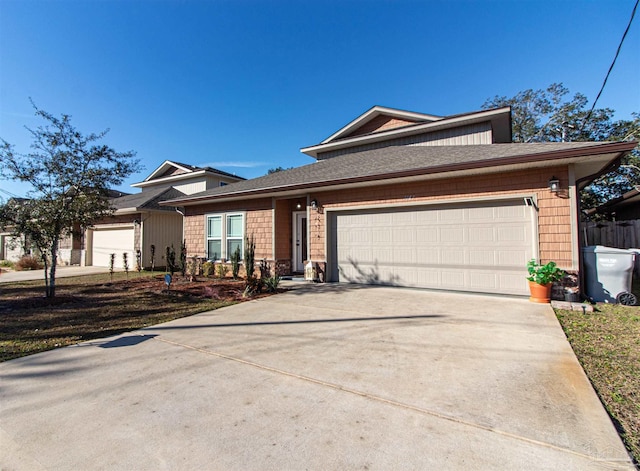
(400, 161)
(148, 199)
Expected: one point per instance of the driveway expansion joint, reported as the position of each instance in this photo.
(391, 402)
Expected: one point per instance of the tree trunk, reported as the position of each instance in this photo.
(51, 285)
(46, 276)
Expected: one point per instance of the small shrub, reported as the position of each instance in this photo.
(183, 258)
(170, 253)
(28, 262)
(7, 264)
(193, 267)
(207, 268)
(252, 286)
(271, 283)
(138, 261)
(125, 263)
(222, 270)
(112, 261)
(265, 269)
(235, 263)
(250, 257)
(153, 257)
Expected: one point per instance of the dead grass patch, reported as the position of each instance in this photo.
(91, 307)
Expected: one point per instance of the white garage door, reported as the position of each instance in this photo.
(13, 249)
(480, 247)
(108, 241)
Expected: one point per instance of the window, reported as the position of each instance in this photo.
(225, 233)
(214, 237)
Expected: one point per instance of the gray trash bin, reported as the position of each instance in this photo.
(608, 274)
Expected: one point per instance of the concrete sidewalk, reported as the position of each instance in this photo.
(323, 377)
(61, 272)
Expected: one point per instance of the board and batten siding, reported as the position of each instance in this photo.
(191, 188)
(161, 230)
(473, 134)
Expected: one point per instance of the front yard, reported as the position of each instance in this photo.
(607, 344)
(91, 307)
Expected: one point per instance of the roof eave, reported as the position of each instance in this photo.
(444, 123)
(488, 164)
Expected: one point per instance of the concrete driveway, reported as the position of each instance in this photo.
(321, 378)
(61, 272)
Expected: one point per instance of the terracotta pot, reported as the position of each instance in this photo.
(540, 293)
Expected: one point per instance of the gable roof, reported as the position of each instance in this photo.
(170, 170)
(418, 123)
(375, 112)
(145, 201)
(398, 163)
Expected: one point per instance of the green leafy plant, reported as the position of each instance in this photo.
(138, 261)
(250, 257)
(207, 269)
(183, 258)
(253, 286)
(170, 254)
(265, 269)
(235, 263)
(222, 270)
(271, 283)
(544, 274)
(7, 263)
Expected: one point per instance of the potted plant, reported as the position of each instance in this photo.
(541, 278)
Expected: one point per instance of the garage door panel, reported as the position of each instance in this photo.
(482, 258)
(116, 241)
(427, 235)
(451, 235)
(404, 256)
(483, 281)
(480, 247)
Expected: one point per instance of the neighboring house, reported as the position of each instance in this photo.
(11, 248)
(623, 208)
(410, 199)
(139, 221)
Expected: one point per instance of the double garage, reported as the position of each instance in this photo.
(480, 246)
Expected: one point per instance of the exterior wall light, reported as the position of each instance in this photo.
(554, 185)
(314, 204)
(298, 205)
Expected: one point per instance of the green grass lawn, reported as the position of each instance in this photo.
(607, 344)
(91, 307)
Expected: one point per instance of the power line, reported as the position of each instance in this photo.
(633, 13)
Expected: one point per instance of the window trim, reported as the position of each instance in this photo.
(224, 256)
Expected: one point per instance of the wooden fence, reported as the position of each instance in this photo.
(619, 234)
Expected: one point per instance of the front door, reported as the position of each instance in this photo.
(299, 240)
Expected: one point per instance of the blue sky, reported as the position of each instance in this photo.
(243, 85)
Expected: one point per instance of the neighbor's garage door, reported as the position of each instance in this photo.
(480, 247)
(108, 241)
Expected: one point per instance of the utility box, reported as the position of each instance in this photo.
(608, 273)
